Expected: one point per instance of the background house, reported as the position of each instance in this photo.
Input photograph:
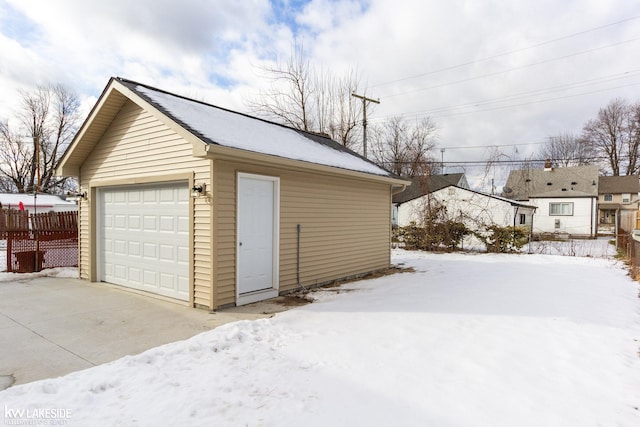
(200, 204)
(617, 203)
(474, 209)
(566, 198)
(405, 202)
(40, 203)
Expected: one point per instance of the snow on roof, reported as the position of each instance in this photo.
(236, 130)
(27, 199)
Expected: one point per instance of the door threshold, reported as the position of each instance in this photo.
(256, 296)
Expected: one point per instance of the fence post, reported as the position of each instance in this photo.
(9, 240)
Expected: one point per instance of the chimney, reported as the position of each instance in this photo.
(547, 165)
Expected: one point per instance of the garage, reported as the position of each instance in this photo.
(144, 238)
(215, 208)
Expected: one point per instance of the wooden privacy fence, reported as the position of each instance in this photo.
(38, 241)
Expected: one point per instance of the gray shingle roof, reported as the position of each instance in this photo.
(428, 184)
(219, 126)
(579, 181)
(618, 184)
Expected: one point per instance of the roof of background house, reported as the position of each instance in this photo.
(578, 181)
(426, 184)
(219, 126)
(493, 196)
(12, 200)
(618, 184)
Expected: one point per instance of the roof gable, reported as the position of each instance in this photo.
(579, 181)
(207, 125)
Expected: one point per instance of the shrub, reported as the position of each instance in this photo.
(434, 236)
(502, 239)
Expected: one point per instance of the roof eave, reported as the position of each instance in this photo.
(71, 160)
(218, 152)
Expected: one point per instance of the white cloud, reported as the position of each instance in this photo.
(212, 50)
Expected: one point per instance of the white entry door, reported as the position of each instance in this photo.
(143, 238)
(258, 241)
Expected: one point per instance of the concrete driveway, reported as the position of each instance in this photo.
(53, 326)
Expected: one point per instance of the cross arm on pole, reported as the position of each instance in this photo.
(364, 118)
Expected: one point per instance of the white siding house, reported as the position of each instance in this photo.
(404, 202)
(575, 216)
(566, 198)
(475, 209)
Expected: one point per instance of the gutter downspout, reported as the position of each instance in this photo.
(617, 224)
(515, 215)
(398, 189)
(299, 227)
(592, 235)
(531, 231)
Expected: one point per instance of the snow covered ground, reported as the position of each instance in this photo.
(464, 340)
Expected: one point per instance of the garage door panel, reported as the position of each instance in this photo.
(149, 223)
(183, 255)
(149, 195)
(134, 275)
(150, 278)
(134, 222)
(183, 225)
(119, 271)
(120, 247)
(167, 224)
(134, 248)
(145, 234)
(134, 197)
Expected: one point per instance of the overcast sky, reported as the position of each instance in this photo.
(490, 73)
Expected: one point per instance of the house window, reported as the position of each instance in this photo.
(523, 219)
(608, 197)
(564, 208)
(626, 197)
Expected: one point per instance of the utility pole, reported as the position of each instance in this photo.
(442, 162)
(364, 119)
(36, 140)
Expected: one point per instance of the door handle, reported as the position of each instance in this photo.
(240, 243)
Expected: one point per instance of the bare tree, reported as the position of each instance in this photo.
(633, 132)
(404, 149)
(29, 155)
(567, 150)
(310, 98)
(615, 136)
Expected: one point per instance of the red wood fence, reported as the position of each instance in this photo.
(38, 241)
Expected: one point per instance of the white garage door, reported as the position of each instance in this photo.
(144, 238)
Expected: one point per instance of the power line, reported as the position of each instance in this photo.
(589, 160)
(495, 73)
(453, 67)
(527, 94)
(510, 105)
(541, 100)
(497, 145)
(551, 89)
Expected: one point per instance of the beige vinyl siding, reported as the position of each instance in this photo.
(345, 226)
(138, 146)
